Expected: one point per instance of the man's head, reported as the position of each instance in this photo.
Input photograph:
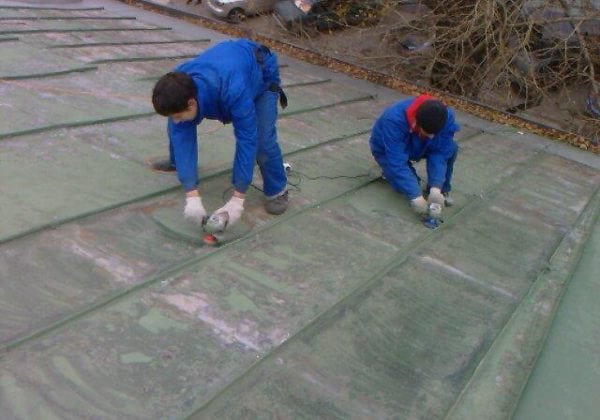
(174, 96)
(431, 117)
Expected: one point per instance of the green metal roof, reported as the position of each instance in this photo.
(346, 306)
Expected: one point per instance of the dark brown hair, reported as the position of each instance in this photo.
(172, 92)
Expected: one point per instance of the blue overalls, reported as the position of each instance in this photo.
(238, 82)
(394, 146)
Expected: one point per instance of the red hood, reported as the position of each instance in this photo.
(411, 111)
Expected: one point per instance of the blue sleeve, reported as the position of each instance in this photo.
(184, 145)
(400, 176)
(245, 130)
(438, 156)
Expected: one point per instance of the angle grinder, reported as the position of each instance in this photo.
(213, 226)
(434, 215)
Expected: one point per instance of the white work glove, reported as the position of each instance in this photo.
(436, 196)
(419, 205)
(194, 210)
(234, 208)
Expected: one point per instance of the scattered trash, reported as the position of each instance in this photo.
(592, 106)
(412, 44)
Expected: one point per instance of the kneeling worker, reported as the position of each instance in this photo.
(411, 130)
(234, 81)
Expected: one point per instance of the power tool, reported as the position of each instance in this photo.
(434, 215)
(214, 226)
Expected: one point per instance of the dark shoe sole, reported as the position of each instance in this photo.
(278, 205)
(276, 212)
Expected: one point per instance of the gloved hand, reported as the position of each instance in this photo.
(194, 210)
(436, 196)
(234, 208)
(419, 205)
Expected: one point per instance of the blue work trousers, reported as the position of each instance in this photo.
(268, 157)
(449, 171)
(447, 187)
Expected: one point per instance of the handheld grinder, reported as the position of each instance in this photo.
(213, 226)
(434, 215)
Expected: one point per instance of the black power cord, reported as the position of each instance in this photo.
(298, 176)
(301, 175)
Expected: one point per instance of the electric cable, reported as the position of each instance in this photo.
(295, 182)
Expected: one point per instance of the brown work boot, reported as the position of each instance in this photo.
(277, 205)
(161, 164)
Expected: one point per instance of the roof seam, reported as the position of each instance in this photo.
(59, 222)
(48, 74)
(168, 271)
(398, 259)
(527, 323)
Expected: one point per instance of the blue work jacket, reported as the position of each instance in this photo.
(396, 145)
(228, 78)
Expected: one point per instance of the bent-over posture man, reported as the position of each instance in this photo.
(234, 81)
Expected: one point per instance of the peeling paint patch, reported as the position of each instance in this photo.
(245, 333)
(113, 264)
(506, 213)
(190, 304)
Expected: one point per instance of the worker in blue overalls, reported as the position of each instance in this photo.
(411, 130)
(233, 81)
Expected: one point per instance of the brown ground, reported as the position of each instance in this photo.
(377, 48)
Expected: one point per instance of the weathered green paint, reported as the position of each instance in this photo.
(155, 322)
(135, 357)
(240, 301)
(343, 307)
(21, 59)
(566, 377)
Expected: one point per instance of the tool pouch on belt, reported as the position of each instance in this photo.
(261, 54)
(274, 87)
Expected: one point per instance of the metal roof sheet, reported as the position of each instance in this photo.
(345, 306)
